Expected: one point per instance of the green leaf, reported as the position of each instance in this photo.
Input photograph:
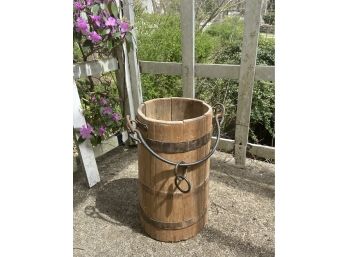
(98, 140)
(93, 141)
(87, 43)
(109, 44)
(109, 123)
(129, 46)
(95, 9)
(106, 31)
(80, 140)
(117, 34)
(83, 15)
(114, 9)
(129, 41)
(77, 36)
(129, 37)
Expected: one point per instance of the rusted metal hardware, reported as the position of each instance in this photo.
(171, 225)
(132, 131)
(173, 193)
(219, 110)
(180, 177)
(178, 147)
(129, 126)
(141, 124)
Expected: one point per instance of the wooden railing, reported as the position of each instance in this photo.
(202, 70)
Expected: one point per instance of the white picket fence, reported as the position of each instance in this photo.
(247, 72)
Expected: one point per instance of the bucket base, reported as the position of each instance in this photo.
(173, 235)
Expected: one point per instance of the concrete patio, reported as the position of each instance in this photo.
(241, 213)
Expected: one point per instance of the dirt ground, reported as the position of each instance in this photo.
(241, 212)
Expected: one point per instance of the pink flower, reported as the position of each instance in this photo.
(101, 130)
(86, 131)
(81, 25)
(103, 101)
(78, 6)
(89, 2)
(118, 22)
(111, 21)
(107, 110)
(94, 37)
(124, 28)
(97, 20)
(116, 117)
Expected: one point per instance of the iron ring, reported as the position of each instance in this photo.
(181, 178)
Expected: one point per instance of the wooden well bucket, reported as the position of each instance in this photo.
(173, 207)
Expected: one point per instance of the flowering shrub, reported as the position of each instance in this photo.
(97, 32)
(106, 121)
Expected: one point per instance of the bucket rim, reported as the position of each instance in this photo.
(146, 118)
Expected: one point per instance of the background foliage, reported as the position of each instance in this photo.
(159, 39)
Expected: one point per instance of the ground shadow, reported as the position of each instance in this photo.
(81, 189)
(236, 244)
(116, 202)
(108, 167)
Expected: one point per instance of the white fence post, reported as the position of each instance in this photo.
(188, 47)
(86, 152)
(128, 83)
(124, 75)
(246, 78)
(134, 71)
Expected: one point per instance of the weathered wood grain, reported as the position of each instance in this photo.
(247, 78)
(85, 149)
(203, 70)
(130, 102)
(109, 144)
(92, 68)
(134, 71)
(166, 68)
(263, 151)
(187, 18)
(227, 71)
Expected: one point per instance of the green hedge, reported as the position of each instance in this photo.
(269, 18)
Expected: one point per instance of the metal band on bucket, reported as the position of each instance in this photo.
(178, 147)
(171, 225)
